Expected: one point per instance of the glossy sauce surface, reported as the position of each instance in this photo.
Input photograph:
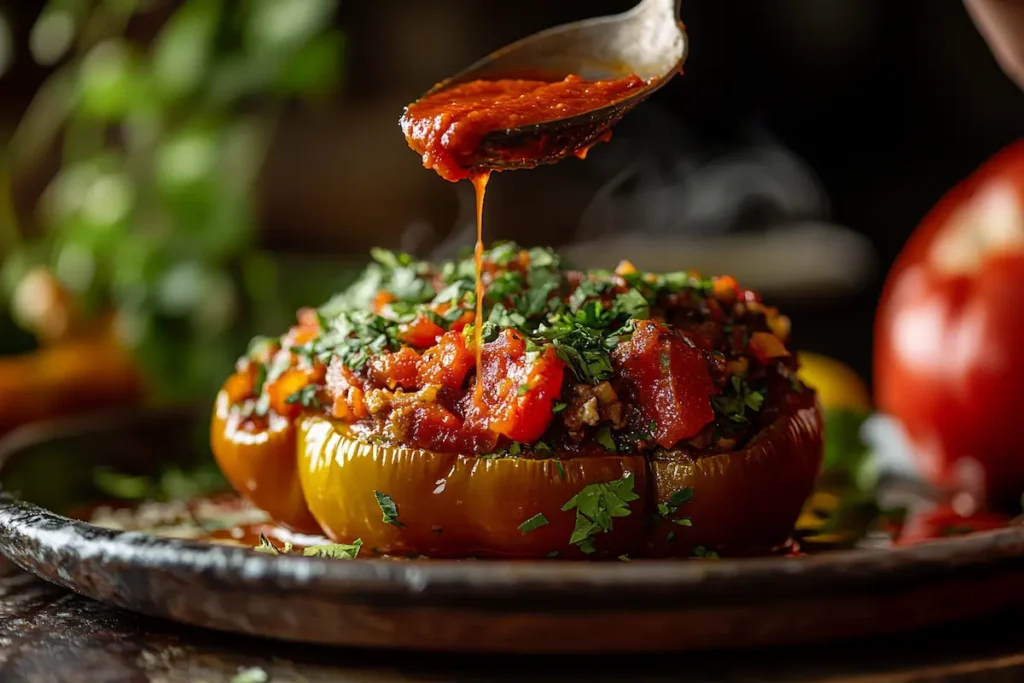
(446, 127)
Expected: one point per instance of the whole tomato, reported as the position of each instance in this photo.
(949, 336)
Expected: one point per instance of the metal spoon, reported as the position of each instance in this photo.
(648, 40)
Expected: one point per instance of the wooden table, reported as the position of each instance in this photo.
(47, 634)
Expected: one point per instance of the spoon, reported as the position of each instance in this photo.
(648, 40)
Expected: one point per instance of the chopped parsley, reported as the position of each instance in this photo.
(388, 508)
(268, 547)
(596, 507)
(703, 553)
(260, 380)
(529, 292)
(604, 437)
(561, 469)
(338, 551)
(632, 304)
(306, 397)
(737, 399)
(675, 499)
(532, 523)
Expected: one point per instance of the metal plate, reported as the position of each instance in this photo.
(480, 606)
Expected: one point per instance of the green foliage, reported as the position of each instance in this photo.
(152, 213)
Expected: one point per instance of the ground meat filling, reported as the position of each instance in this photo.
(572, 362)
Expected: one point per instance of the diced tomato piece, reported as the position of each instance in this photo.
(518, 390)
(346, 389)
(447, 363)
(421, 332)
(307, 317)
(299, 335)
(307, 329)
(669, 380)
(242, 384)
(398, 369)
(466, 318)
(727, 288)
(764, 346)
(284, 386)
(433, 427)
(381, 300)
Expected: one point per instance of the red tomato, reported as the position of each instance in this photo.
(949, 359)
(421, 332)
(518, 391)
(398, 369)
(669, 379)
(447, 362)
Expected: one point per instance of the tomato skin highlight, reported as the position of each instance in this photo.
(948, 360)
(259, 463)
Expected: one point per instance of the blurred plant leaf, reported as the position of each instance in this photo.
(153, 212)
(171, 484)
(54, 32)
(845, 450)
(110, 81)
(185, 47)
(314, 68)
(283, 24)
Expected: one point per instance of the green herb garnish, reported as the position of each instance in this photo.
(737, 399)
(560, 468)
(306, 397)
(338, 551)
(604, 437)
(267, 546)
(388, 508)
(532, 523)
(675, 499)
(596, 507)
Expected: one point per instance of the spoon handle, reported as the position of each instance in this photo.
(663, 6)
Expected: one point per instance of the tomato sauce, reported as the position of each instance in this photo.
(480, 185)
(447, 127)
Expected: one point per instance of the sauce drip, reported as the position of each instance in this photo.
(480, 185)
(448, 129)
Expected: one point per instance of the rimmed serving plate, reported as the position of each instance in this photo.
(481, 606)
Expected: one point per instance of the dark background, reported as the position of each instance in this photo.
(889, 102)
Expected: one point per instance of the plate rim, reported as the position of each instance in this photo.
(668, 583)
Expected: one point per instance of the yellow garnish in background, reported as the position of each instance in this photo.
(837, 385)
